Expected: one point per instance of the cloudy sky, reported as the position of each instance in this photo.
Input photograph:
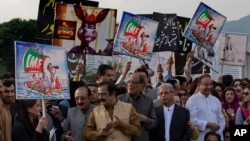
(232, 9)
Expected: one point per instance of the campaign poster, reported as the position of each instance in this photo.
(209, 56)
(41, 71)
(135, 36)
(205, 26)
(233, 48)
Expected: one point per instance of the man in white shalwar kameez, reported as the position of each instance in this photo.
(205, 109)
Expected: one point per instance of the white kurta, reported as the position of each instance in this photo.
(203, 110)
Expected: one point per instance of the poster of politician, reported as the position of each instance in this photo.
(207, 58)
(135, 36)
(233, 48)
(41, 71)
(84, 29)
(205, 26)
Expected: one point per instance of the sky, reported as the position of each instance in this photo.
(232, 9)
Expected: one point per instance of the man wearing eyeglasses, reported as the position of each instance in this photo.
(183, 96)
(7, 97)
(142, 103)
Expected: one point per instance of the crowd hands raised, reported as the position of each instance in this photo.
(126, 107)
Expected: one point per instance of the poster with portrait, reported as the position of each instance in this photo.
(45, 18)
(205, 26)
(150, 66)
(209, 56)
(41, 71)
(135, 36)
(84, 29)
(233, 48)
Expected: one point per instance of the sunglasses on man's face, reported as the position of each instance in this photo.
(182, 94)
(238, 90)
(245, 93)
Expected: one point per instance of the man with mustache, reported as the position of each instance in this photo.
(113, 119)
(77, 116)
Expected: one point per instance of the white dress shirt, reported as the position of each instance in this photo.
(203, 110)
(168, 113)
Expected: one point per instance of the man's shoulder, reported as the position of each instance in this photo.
(182, 109)
(122, 96)
(159, 108)
(73, 110)
(146, 98)
(92, 106)
(124, 104)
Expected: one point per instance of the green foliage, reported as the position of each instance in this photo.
(15, 30)
(90, 74)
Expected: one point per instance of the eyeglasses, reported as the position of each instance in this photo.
(236, 85)
(245, 93)
(132, 82)
(182, 94)
(238, 90)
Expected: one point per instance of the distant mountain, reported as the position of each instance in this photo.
(240, 26)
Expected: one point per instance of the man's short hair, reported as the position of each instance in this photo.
(92, 84)
(102, 69)
(84, 87)
(8, 75)
(142, 70)
(111, 87)
(212, 133)
(173, 82)
(169, 85)
(181, 79)
(8, 83)
(201, 77)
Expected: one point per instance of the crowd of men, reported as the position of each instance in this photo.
(129, 108)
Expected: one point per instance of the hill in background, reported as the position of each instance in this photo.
(240, 26)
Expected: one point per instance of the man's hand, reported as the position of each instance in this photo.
(127, 67)
(116, 122)
(213, 126)
(107, 130)
(56, 113)
(170, 60)
(159, 69)
(190, 56)
(68, 137)
(142, 117)
(220, 79)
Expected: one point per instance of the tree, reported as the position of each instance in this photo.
(15, 30)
